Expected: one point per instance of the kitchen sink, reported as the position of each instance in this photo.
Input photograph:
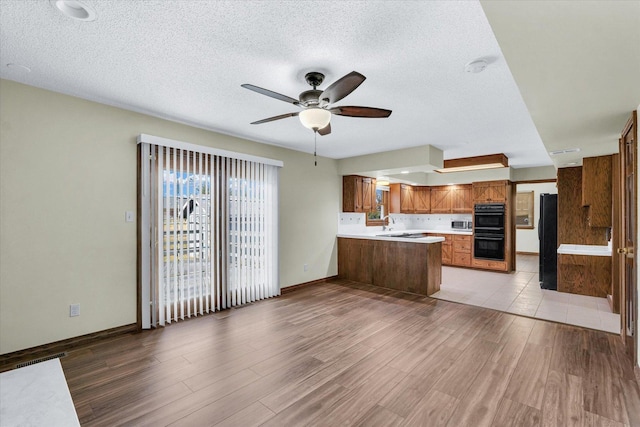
(405, 235)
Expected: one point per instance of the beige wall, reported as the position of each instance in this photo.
(527, 239)
(67, 176)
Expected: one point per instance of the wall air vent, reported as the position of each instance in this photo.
(564, 151)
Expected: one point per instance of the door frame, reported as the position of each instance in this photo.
(630, 343)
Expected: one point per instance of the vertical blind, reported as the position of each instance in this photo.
(211, 222)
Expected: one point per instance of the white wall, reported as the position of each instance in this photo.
(67, 176)
(527, 239)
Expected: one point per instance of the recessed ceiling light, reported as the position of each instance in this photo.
(18, 67)
(564, 151)
(75, 9)
(404, 172)
(476, 66)
(571, 164)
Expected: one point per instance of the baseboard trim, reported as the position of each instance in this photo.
(526, 253)
(301, 285)
(10, 360)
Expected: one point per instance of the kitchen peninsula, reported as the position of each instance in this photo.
(406, 260)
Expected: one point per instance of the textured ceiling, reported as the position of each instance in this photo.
(185, 61)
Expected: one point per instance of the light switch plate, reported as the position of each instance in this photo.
(74, 310)
(129, 216)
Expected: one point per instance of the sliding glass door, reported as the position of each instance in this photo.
(210, 225)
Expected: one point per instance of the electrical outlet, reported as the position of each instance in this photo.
(74, 310)
(306, 267)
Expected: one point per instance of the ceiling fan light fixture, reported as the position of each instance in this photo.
(315, 118)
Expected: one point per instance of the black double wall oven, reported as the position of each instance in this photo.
(489, 231)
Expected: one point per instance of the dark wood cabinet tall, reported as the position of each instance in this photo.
(596, 190)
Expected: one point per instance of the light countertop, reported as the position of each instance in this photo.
(393, 235)
(37, 395)
(589, 250)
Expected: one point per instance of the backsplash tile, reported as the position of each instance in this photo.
(356, 222)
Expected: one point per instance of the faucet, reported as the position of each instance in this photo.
(384, 227)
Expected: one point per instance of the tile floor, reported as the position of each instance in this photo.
(520, 293)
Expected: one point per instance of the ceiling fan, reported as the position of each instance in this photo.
(316, 104)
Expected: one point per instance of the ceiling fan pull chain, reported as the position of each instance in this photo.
(315, 147)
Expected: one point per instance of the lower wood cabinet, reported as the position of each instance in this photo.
(462, 250)
(456, 249)
(486, 264)
(404, 266)
(584, 275)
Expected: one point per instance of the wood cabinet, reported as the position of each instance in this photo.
(401, 198)
(499, 192)
(441, 199)
(451, 199)
(573, 218)
(358, 193)
(584, 275)
(596, 190)
(490, 191)
(461, 250)
(368, 194)
(486, 264)
(446, 248)
(462, 199)
(422, 200)
(404, 266)
(456, 249)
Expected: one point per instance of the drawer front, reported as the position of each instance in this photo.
(490, 265)
(462, 246)
(461, 237)
(462, 259)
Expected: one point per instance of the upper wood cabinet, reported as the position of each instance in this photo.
(358, 193)
(422, 200)
(462, 199)
(401, 198)
(451, 199)
(368, 194)
(441, 199)
(596, 190)
(490, 192)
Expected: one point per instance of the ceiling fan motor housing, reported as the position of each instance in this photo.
(310, 98)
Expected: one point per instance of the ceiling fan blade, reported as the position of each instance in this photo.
(360, 112)
(270, 119)
(325, 130)
(342, 87)
(271, 94)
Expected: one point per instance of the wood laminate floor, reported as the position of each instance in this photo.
(342, 353)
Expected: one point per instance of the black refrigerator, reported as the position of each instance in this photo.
(548, 236)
